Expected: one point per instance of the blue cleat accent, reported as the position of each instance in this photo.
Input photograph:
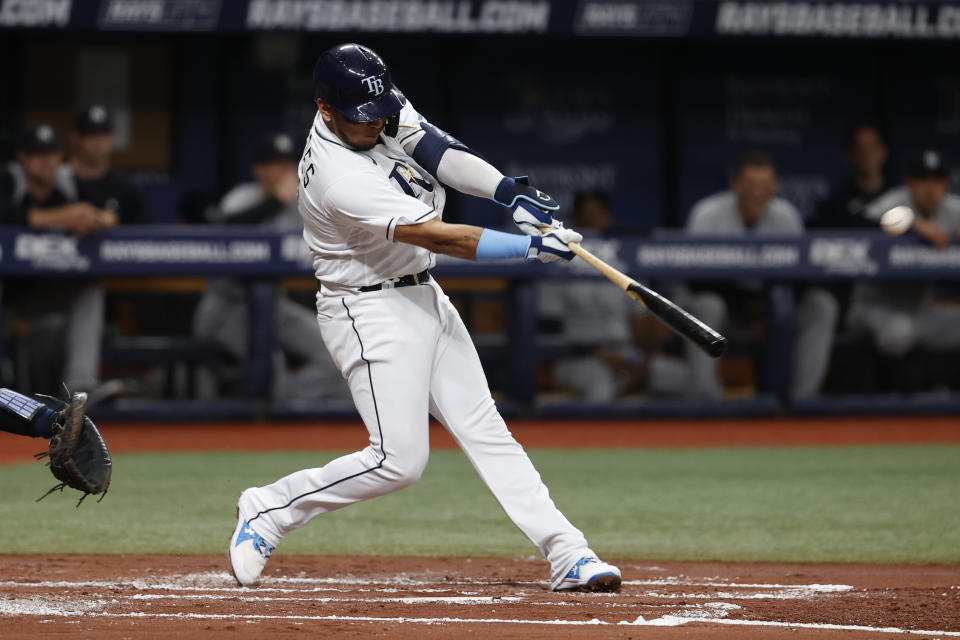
(259, 544)
(574, 573)
(590, 574)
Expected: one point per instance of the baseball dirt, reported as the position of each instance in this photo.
(115, 597)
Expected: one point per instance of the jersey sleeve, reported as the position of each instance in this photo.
(951, 216)
(239, 198)
(468, 173)
(789, 220)
(409, 130)
(367, 201)
(892, 198)
(701, 217)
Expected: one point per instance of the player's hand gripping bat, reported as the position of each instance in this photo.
(666, 311)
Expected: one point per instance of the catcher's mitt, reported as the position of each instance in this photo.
(79, 457)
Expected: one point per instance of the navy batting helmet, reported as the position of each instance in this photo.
(354, 80)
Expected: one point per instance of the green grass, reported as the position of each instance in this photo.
(843, 504)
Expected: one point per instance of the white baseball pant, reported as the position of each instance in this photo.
(406, 353)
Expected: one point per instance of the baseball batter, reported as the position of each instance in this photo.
(371, 198)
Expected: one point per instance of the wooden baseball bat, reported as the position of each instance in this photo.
(682, 322)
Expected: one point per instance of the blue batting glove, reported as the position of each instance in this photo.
(511, 190)
(531, 206)
(533, 221)
(552, 247)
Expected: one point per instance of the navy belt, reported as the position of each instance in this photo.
(403, 281)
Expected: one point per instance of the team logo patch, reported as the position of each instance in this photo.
(408, 180)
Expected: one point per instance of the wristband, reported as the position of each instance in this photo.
(496, 245)
(504, 193)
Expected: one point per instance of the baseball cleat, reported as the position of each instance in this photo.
(590, 574)
(248, 553)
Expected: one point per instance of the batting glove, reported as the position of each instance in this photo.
(531, 206)
(552, 247)
(531, 220)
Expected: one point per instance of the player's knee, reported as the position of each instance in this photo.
(405, 471)
(589, 377)
(406, 475)
(896, 337)
(820, 306)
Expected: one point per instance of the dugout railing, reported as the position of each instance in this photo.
(261, 258)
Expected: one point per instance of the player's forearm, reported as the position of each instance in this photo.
(80, 218)
(468, 173)
(464, 241)
(52, 218)
(457, 240)
(256, 214)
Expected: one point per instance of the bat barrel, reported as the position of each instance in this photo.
(685, 324)
(673, 316)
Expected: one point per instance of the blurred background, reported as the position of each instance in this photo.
(786, 128)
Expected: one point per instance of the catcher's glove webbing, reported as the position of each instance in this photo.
(79, 457)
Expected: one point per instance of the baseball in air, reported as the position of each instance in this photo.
(897, 221)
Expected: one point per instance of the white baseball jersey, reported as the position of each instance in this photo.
(352, 201)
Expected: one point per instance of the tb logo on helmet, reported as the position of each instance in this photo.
(374, 85)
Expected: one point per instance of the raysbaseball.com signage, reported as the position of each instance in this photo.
(904, 19)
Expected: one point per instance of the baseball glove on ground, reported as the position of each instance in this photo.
(79, 457)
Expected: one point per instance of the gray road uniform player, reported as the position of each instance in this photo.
(816, 313)
(902, 316)
(222, 313)
(40, 192)
(371, 198)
